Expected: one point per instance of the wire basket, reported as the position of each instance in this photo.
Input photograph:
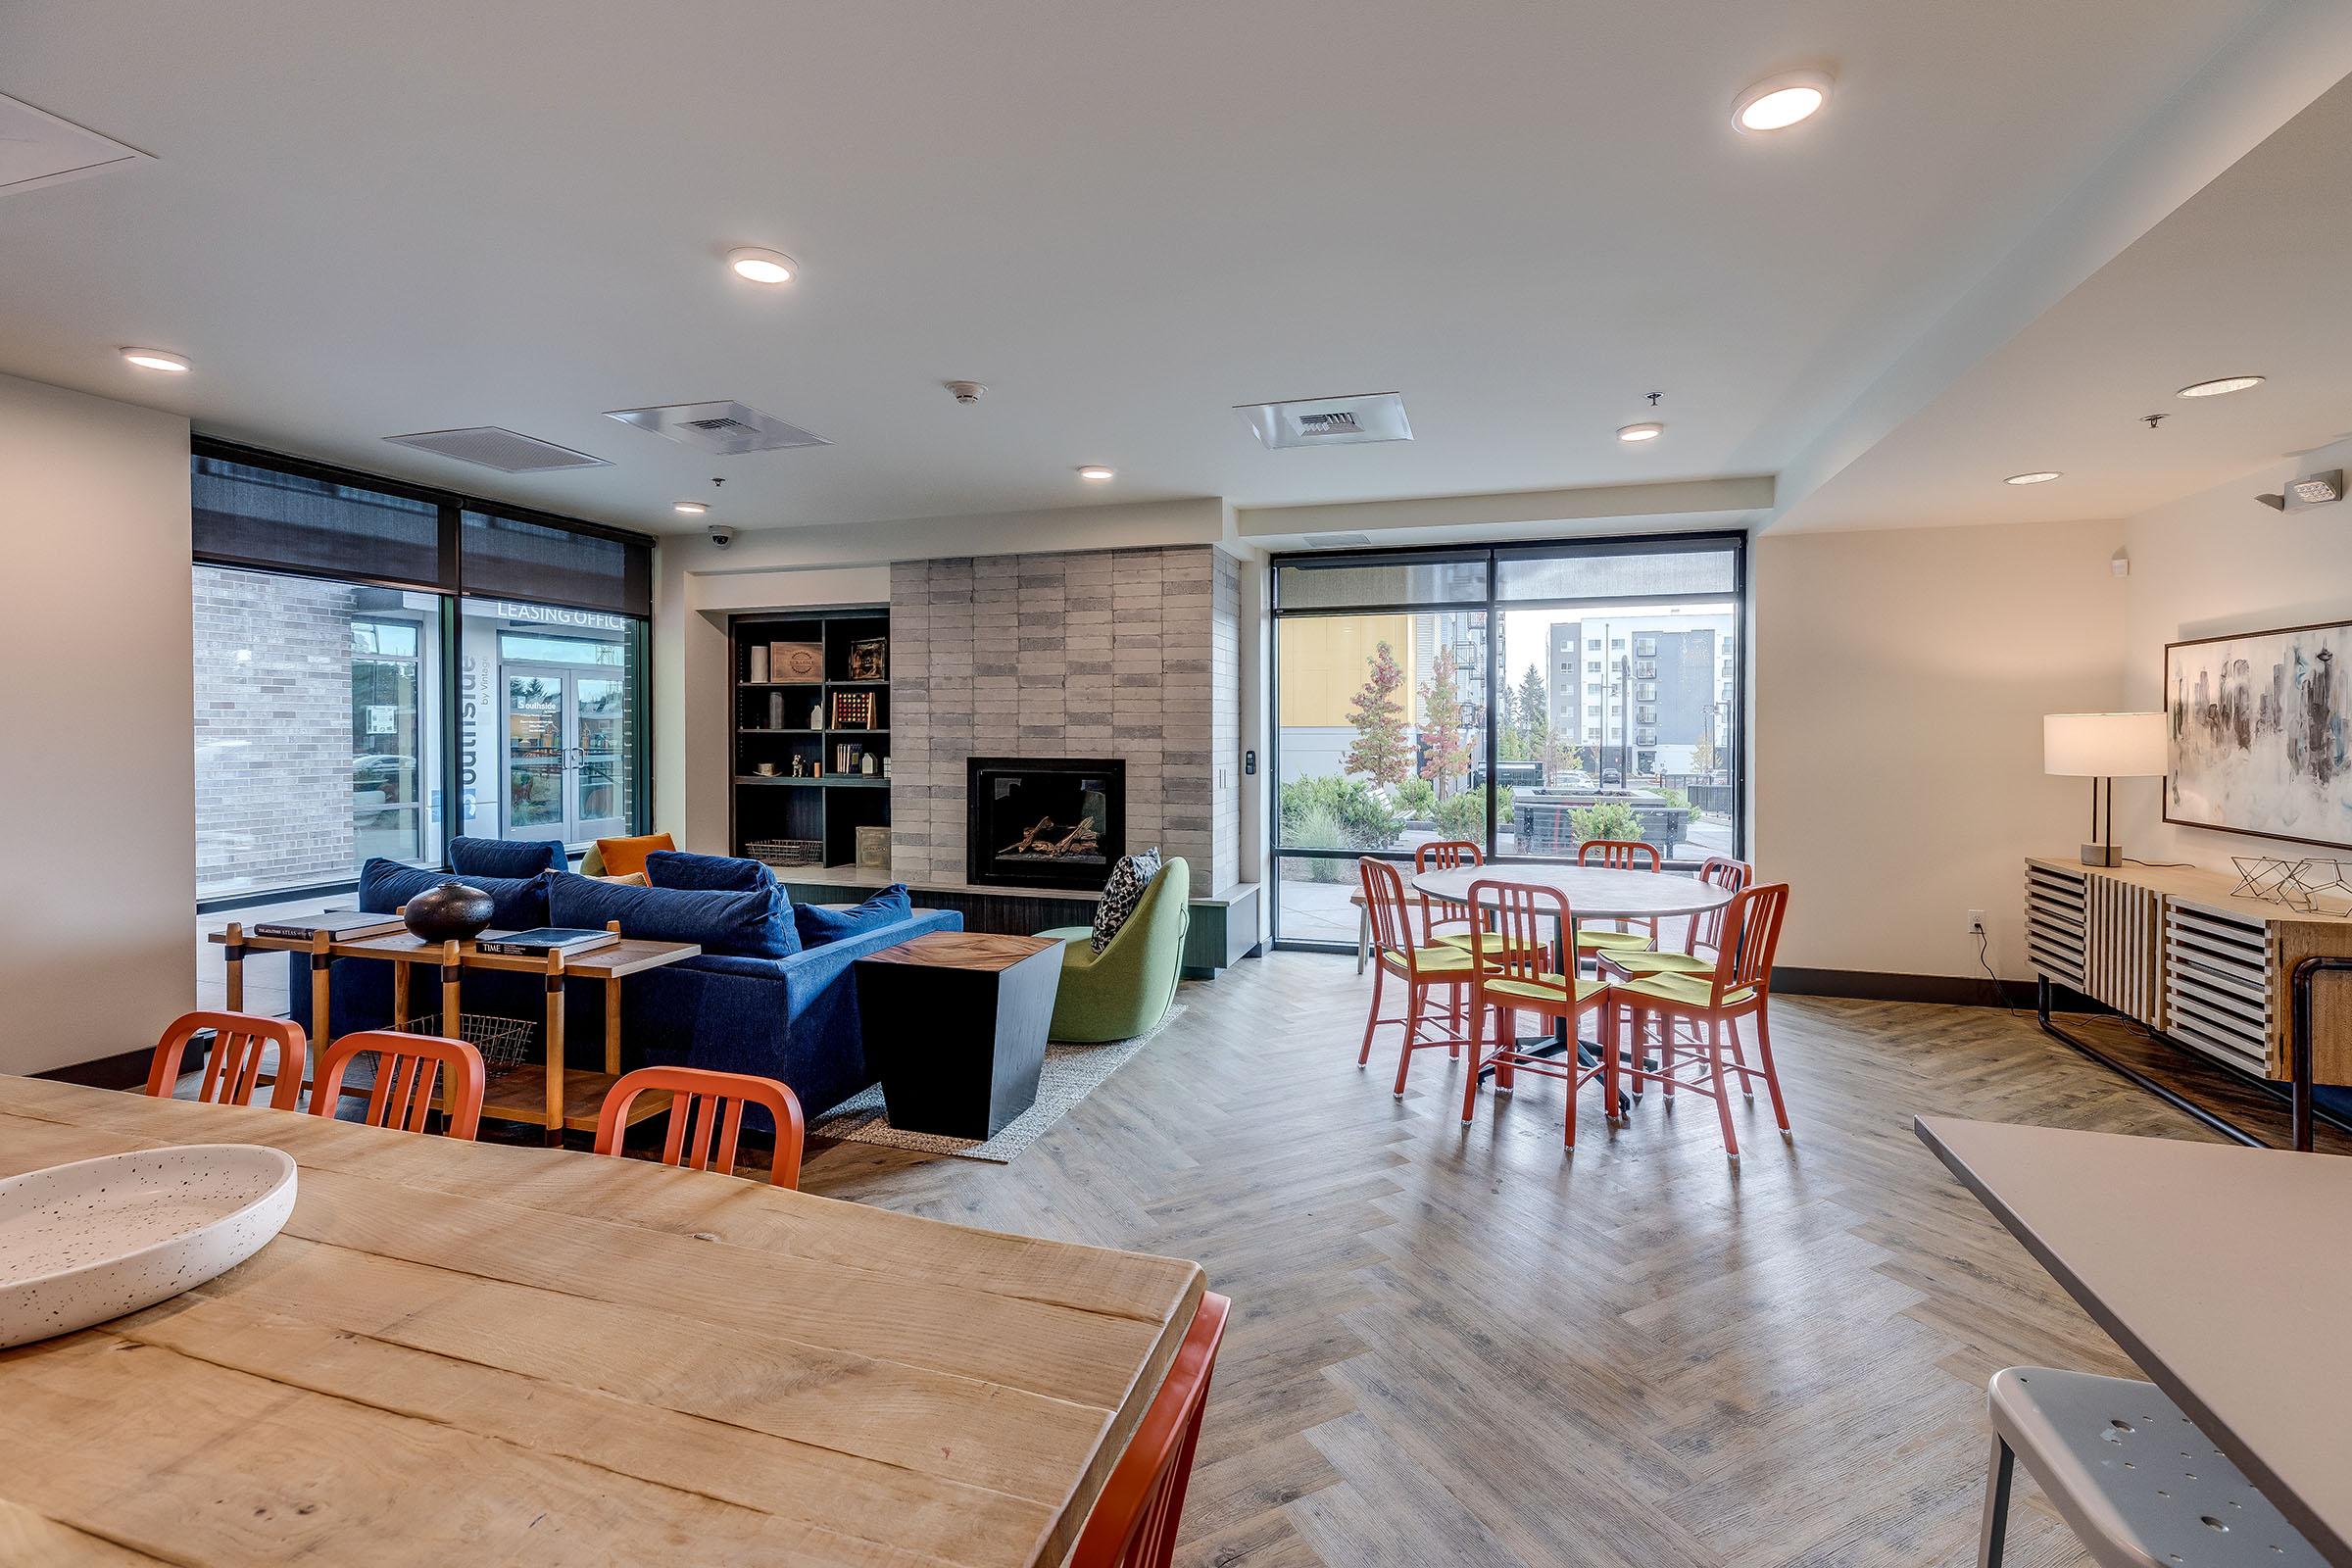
(506, 1044)
(786, 851)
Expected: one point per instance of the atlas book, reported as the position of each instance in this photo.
(541, 941)
(340, 925)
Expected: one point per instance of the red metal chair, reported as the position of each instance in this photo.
(233, 1069)
(1134, 1519)
(1712, 1004)
(1705, 929)
(1618, 854)
(409, 1074)
(1445, 855)
(1511, 976)
(1422, 968)
(705, 1119)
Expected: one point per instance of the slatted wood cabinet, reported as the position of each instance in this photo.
(2175, 949)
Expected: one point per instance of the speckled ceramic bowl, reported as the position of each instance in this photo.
(94, 1240)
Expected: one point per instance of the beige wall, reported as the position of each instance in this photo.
(97, 779)
(1900, 679)
(2212, 564)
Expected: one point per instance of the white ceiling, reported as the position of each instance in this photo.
(368, 220)
(2252, 276)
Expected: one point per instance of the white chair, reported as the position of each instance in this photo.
(2133, 1476)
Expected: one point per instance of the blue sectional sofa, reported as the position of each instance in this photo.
(771, 993)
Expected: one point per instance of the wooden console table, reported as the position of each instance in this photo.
(2208, 969)
(546, 1096)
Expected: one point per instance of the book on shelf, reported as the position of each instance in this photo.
(340, 925)
(540, 940)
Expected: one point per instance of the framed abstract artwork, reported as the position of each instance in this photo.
(2261, 734)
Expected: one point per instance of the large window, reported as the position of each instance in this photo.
(1523, 699)
(464, 672)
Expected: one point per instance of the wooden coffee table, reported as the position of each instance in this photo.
(546, 1096)
(955, 1025)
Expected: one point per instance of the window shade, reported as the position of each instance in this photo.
(513, 558)
(1583, 572)
(270, 517)
(1355, 582)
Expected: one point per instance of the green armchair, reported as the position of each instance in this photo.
(1121, 992)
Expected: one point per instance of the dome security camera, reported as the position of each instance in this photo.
(721, 535)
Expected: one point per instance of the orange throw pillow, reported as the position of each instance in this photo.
(624, 855)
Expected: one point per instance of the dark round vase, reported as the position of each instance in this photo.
(450, 912)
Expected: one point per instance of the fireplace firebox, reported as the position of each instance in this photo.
(1044, 822)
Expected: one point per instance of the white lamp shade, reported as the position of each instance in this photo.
(2103, 745)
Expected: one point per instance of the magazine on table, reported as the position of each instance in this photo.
(540, 940)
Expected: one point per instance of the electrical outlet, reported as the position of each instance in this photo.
(1976, 922)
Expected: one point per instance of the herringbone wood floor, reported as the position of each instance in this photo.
(1455, 1347)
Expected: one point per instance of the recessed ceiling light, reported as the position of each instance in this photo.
(1649, 431)
(762, 267)
(2040, 477)
(1097, 472)
(157, 359)
(692, 509)
(1777, 102)
(2214, 389)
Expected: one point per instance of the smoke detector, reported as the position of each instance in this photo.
(1328, 421)
(725, 428)
(966, 391)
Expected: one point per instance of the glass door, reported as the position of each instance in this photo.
(564, 754)
(537, 753)
(596, 723)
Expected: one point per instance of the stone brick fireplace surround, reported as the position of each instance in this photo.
(1129, 653)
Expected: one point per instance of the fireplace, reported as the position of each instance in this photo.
(1045, 821)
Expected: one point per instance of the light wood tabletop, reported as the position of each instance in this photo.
(479, 1353)
(1592, 892)
(2222, 1271)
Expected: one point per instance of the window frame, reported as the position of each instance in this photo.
(1734, 542)
(450, 588)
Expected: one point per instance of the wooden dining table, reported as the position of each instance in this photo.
(481, 1352)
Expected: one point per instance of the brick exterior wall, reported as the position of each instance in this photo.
(272, 660)
(1110, 654)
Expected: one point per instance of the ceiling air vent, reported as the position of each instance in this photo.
(1328, 421)
(36, 147)
(1337, 541)
(495, 447)
(724, 428)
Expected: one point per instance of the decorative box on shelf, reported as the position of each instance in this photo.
(791, 664)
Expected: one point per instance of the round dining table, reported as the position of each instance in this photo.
(1594, 892)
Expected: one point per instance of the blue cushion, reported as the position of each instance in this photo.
(819, 926)
(746, 925)
(675, 869)
(514, 858)
(518, 902)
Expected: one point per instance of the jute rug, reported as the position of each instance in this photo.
(1071, 1073)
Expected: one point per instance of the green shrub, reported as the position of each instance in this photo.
(1337, 813)
(1464, 816)
(1675, 798)
(1416, 798)
(1609, 819)
(1317, 825)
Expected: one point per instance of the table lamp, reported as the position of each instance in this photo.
(2103, 748)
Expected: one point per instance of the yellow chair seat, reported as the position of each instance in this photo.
(1549, 990)
(1494, 944)
(1435, 959)
(1641, 964)
(1611, 941)
(1688, 991)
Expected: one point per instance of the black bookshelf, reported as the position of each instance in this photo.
(800, 723)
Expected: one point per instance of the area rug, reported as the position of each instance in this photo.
(1071, 1073)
